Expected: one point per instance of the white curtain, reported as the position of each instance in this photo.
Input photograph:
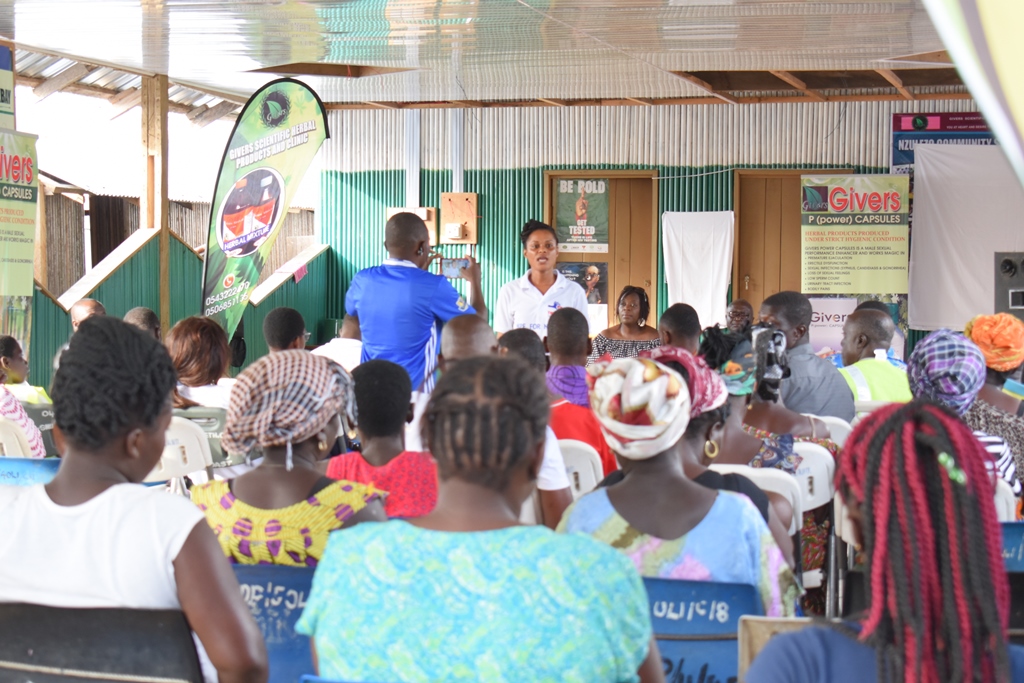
(967, 206)
(697, 247)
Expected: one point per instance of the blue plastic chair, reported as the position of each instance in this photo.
(696, 625)
(28, 471)
(276, 596)
(317, 679)
(1013, 546)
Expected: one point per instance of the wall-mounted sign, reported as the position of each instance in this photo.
(855, 237)
(581, 214)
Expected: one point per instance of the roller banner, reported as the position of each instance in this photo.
(277, 134)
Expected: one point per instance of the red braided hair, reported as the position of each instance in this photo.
(938, 596)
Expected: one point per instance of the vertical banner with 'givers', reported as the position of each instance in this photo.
(19, 193)
(277, 134)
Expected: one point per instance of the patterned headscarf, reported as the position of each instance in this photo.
(1000, 338)
(770, 358)
(739, 371)
(286, 398)
(707, 390)
(643, 407)
(948, 368)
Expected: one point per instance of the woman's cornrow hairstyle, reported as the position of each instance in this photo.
(112, 378)
(641, 294)
(485, 415)
(938, 594)
(532, 226)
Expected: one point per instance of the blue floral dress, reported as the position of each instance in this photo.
(394, 602)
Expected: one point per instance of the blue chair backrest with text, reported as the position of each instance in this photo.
(28, 471)
(276, 596)
(1013, 546)
(696, 625)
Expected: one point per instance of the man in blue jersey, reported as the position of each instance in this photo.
(398, 308)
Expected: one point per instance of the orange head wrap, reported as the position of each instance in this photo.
(1000, 338)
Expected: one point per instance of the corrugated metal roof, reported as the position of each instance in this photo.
(489, 50)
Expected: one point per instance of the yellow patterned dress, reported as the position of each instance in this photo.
(294, 536)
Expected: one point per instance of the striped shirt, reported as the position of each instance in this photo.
(1002, 459)
(12, 410)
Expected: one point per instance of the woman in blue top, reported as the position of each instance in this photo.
(465, 593)
(920, 499)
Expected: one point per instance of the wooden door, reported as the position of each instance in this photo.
(767, 251)
(632, 232)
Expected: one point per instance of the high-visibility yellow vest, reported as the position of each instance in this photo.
(876, 379)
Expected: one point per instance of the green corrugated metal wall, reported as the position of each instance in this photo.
(354, 207)
(135, 283)
(51, 328)
(308, 297)
(186, 271)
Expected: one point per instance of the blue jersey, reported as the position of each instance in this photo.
(401, 309)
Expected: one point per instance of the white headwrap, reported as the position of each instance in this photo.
(643, 406)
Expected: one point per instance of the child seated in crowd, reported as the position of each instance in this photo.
(95, 537)
(287, 404)
(383, 393)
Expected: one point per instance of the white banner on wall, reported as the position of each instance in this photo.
(827, 323)
(698, 260)
(967, 206)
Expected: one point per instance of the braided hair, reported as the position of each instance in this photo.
(112, 378)
(938, 594)
(484, 417)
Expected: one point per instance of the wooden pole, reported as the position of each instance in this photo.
(154, 206)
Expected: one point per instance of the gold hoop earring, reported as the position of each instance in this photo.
(711, 449)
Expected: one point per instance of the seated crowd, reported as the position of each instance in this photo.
(434, 575)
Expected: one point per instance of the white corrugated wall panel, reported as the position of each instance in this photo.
(778, 134)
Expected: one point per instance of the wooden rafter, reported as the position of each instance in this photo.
(639, 100)
(787, 77)
(895, 81)
(704, 85)
(552, 102)
(665, 101)
(211, 114)
(58, 82)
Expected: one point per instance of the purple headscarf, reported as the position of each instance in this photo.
(948, 368)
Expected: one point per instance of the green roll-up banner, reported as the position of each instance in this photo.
(277, 134)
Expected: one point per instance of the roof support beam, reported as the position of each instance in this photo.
(639, 100)
(72, 74)
(787, 77)
(126, 100)
(211, 114)
(552, 102)
(896, 82)
(386, 105)
(153, 207)
(704, 85)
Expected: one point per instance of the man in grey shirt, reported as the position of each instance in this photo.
(814, 385)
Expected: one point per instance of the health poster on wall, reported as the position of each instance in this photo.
(581, 215)
(274, 140)
(911, 130)
(592, 277)
(19, 193)
(854, 235)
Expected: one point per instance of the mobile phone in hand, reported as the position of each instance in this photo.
(451, 268)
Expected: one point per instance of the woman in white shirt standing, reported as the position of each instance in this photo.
(201, 355)
(530, 300)
(95, 537)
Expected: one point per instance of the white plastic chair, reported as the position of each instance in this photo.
(582, 465)
(769, 479)
(865, 407)
(838, 428)
(1006, 502)
(815, 474)
(13, 442)
(186, 452)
